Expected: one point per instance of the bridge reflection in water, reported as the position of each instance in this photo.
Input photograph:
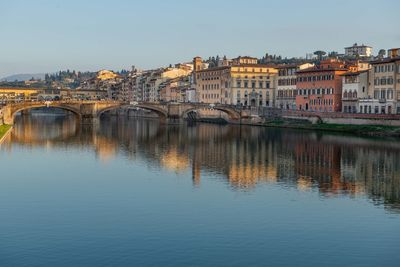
(243, 157)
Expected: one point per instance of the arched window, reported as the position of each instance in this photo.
(345, 94)
(355, 94)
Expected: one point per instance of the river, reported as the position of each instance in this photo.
(134, 192)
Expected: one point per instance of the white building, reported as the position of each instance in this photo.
(355, 92)
(358, 50)
(384, 89)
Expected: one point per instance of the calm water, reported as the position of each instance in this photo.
(136, 193)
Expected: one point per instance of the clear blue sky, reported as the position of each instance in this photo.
(46, 36)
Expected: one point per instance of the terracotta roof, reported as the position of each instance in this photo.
(256, 65)
(316, 69)
(286, 66)
(385, 60)
(245, 57)
(214, 69)
(353, 73)
(358, 46)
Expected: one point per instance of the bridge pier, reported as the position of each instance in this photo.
(172, 120)
(89, 119)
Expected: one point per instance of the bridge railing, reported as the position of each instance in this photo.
(64, 102)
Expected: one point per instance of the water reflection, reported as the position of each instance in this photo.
(243, 157)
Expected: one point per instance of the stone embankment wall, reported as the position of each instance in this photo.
(344, 118)
(1, 116)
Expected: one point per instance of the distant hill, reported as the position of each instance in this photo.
(22, 77)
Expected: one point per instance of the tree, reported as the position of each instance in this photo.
(333, 54)
(382, 53)
(320, 54)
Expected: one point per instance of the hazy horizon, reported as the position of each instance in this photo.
(46, 36)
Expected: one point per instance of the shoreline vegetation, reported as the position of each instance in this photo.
(352, 129)
(364, 130)
(4, 130)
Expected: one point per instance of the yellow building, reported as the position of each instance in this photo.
(242, 82)
(19, 94)
(106, 75)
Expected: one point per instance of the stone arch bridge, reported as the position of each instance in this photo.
(89, 112)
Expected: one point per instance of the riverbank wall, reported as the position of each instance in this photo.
(5, 130)
(344, 118)
(362, 124)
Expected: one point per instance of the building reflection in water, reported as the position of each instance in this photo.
(244, 157)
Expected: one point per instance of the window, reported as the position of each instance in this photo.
(383, 94)
(376, 94)
(390, 94)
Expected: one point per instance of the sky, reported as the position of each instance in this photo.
(39, 36)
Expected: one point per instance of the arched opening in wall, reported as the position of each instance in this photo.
(191, 116)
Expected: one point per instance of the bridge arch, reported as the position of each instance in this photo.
(233, 115)
(163, 114)
(10, 117)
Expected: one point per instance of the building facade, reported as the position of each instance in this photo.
(384, 89)
(355, 91)
(358, 51)
(243, 82)
(286, 89)
(319, 88)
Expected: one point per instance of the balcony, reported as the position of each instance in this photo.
(382, 100)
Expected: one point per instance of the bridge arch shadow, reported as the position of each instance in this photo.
(162, 114)
(232, 115)
(36, 106)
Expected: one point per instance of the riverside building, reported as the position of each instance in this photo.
(319, 88)
(240, 81)
(355, 92)
(286, 89)
(384, 83)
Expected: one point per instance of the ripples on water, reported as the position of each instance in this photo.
(239, 195)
